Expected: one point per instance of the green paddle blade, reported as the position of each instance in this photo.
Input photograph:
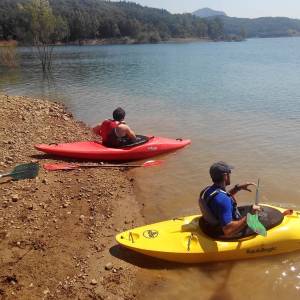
(25, 171)
(256, 225)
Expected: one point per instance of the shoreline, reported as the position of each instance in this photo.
(57, 231)
(113, 41)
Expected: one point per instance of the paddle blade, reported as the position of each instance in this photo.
(25, 171)
(152, 163)
(256, 225)
(60, 166)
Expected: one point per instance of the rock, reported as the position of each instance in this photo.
(94, 282)
(9, 159)
(81, 218)
(30, 206)
(108, 266)
(15, 198)
(46, 291)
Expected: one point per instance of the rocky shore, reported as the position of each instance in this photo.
(57, 231)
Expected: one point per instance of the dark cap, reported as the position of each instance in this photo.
(217, 170)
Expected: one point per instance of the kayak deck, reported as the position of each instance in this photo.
(181, 240)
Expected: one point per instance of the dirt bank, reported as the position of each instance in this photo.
(56, 231)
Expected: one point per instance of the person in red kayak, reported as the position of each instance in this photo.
(115, 133)
(221, 216)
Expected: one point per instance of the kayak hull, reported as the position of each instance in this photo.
(96, 151)
(181, 240)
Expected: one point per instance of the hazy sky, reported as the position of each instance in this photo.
(233, 8)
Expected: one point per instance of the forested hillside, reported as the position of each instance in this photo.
(96, 19)
(80, 20)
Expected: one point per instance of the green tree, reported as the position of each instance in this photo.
(44, 27)
(215, 29)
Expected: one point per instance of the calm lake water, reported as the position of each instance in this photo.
(237, 102)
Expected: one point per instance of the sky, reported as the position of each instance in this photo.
(233, 8)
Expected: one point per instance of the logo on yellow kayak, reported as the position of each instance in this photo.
(150, 234)
(262, 249)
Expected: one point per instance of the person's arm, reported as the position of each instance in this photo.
(224, 210)
(244, 187)
(240, 187)
(234, 227)
(130, 133)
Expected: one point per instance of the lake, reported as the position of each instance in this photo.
(237, 102)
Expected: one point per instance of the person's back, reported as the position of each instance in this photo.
(115, 133)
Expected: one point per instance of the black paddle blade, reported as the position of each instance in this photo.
(25, 171)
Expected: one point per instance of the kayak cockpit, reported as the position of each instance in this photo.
(268, 216)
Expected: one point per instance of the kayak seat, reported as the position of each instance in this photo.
(140, 140)
(268, 216)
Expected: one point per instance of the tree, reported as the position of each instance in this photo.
(45, 26)
(215, 29)
(243, 33)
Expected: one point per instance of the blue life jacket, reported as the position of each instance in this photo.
(207, 213)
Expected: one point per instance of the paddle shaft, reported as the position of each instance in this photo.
(5, 175)
(105, 166)
(257, 193)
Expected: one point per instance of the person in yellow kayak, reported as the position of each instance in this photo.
(221, 217)
(115, 133)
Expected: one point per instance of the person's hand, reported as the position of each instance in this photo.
(245, 186)
(256, 208)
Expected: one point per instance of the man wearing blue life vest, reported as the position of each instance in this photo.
(221, 217)
(115, 133)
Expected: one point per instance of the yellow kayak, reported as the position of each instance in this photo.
(182, 240)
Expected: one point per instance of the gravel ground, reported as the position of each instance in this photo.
(57, 230)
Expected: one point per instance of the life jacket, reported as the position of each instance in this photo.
(207, 213)
(107, 130)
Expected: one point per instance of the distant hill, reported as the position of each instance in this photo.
(248, 28)
(261, 27)
(207, 12)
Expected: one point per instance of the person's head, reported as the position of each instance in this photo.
(220, 173)
(119, 114)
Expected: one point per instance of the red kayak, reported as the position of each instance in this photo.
(95, 150)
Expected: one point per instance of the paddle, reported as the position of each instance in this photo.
(253, 221)
(23, 171)
(72, 166)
